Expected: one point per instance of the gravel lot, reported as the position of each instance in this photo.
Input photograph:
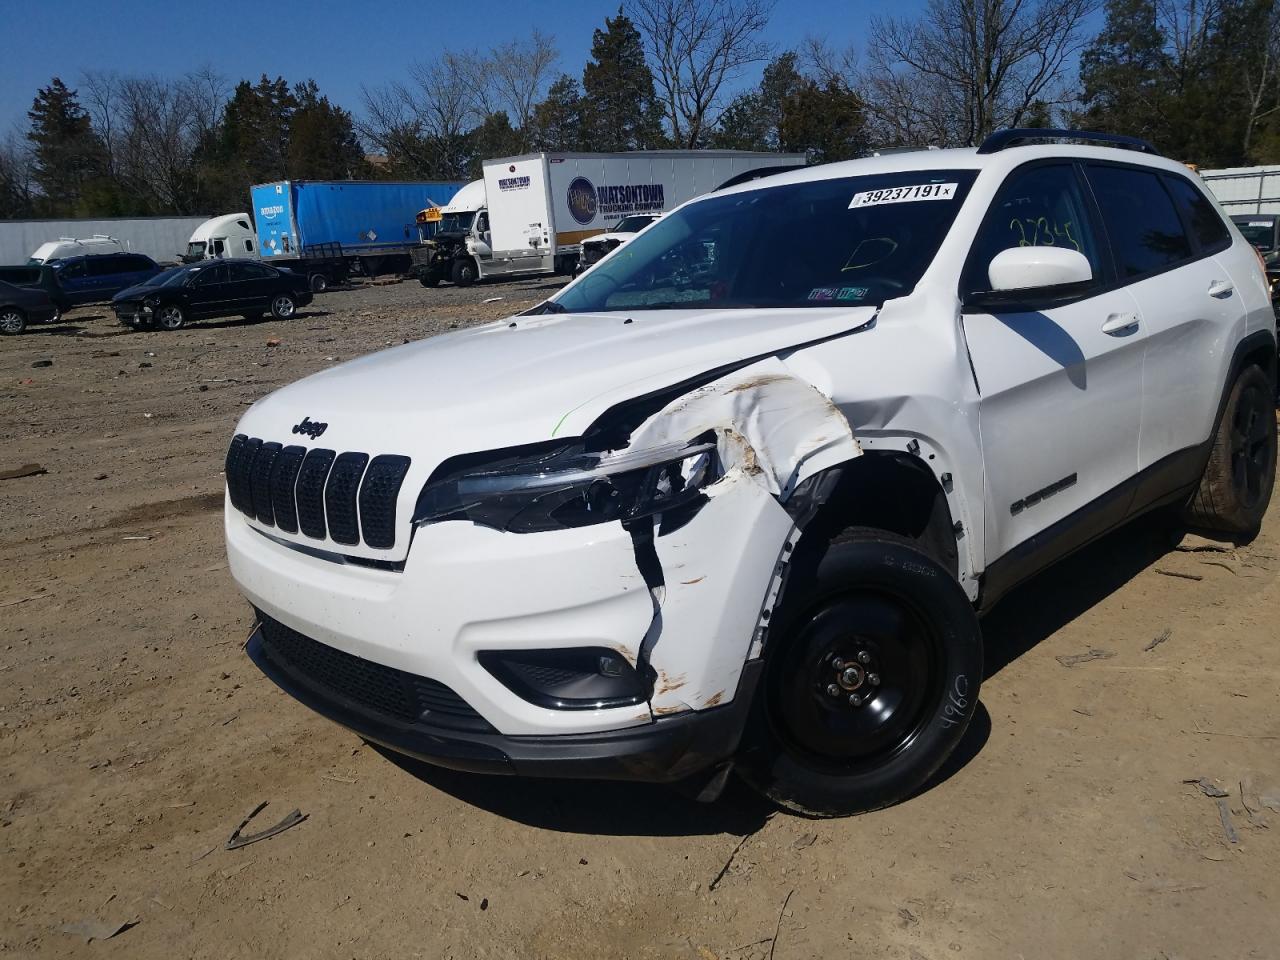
(135, 735)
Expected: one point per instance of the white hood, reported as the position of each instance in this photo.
(520, 381)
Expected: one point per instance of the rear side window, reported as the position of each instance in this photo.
(1199, 214)
(1146, 232)
(1042, 206)
(107, 264)
(137, 263)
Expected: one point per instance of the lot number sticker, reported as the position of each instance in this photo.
(919, 191)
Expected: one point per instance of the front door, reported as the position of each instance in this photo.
(209, 291)
(1060, 384)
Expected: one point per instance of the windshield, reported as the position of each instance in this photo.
(168, 278)
(458, 222)
(195, 248)
(1260, 233)
(631, 224)
(853, 241)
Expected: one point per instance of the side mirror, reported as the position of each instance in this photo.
(1031, 278)
(1037, 268)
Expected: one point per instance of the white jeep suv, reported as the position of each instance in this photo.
(734, 497)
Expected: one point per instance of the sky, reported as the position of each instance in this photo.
(342, 45)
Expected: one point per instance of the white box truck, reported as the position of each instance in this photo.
(530, 214)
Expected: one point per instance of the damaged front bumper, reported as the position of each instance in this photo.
(667, 750)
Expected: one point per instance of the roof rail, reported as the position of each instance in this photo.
(1003, 139)
(748, 175)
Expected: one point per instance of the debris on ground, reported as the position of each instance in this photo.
(26, 470)
(14, 603)
(804, 840)
(1224, 814)
(1208, 787)
(42, 363)
(1158, 639)
(92, 929)
(236, 840)
(1072, 659)
(1179, 574)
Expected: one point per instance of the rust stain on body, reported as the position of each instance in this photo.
(714, 699)
(689, 583)
(667, 684)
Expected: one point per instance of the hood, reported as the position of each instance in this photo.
(606, 237)
(136, 292)
(520, 381)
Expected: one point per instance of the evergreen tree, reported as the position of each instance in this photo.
(495, 137)
(68, 157)
(620, 109)
(322, 138)
(1122, 73)
(558, 120)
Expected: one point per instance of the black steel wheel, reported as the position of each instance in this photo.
(872, 673)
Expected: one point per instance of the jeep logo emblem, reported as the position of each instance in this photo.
(310, 428)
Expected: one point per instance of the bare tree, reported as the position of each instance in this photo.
(695, 47)
(423, 122)
(967, 67)
(519, 73)
(17, 176)
(1260, 77)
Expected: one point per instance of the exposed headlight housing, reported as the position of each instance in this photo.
(556, 487)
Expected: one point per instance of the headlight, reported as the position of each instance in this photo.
(553, 488)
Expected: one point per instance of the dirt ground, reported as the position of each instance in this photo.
(135, 734)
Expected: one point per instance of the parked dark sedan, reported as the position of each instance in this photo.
(41, 276)
(212, 288)
(22, 305)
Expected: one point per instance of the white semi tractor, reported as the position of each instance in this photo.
(529, 214)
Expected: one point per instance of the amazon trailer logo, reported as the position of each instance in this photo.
(310, 428)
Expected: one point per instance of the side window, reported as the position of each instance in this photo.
(137, 264)
(1146, 234)
(255, 271)
(105, 265)
(212, 275)
(1042, 206)
(248, 246)
(74, 270)
(218, 248)
(1199, 214)
(238, 271)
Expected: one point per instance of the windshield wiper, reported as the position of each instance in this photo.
(546, 306)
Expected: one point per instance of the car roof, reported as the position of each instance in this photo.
(958, 158)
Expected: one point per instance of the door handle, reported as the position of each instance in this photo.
(1120, 322)
(1221, 289)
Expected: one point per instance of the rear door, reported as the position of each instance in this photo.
(1060, 382)
(249, 286)
(108, 274)
(1166, 236)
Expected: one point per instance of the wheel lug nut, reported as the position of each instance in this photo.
(873, 679)
(837, 663)
(864, 657)
(855, 700)
(833, 690)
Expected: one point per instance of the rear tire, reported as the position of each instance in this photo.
(12, 321)
(283, 307)
(319, 283)
(830, 741)
(1236, 486)
(429, 281)
(463, 272)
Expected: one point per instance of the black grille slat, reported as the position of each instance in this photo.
(235, 454)
(310, 492)
(378, 495)
(373, 686)
(340, 497)
(284, 476)
(260, 483)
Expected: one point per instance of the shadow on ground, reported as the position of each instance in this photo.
(1046, 603)
(601, 807)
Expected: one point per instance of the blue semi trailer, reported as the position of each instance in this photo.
(372, 222)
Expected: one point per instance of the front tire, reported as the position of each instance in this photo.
(319, 283)
(170, 317)
(429, 281)
(464, 272)
(1236, 486)
(283, 307)
(12, 321)
(870, 680)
